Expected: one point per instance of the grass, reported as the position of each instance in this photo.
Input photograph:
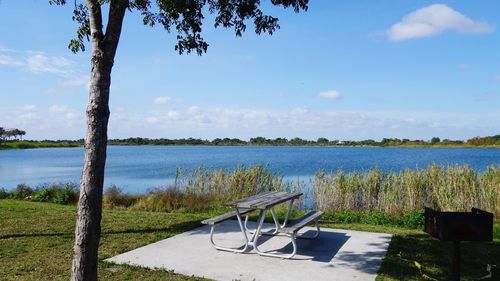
(412, 248)
(36, 241)
(19, 144)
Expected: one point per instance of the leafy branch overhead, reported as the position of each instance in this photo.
(186, 18)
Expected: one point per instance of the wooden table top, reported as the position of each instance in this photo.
(265, 200)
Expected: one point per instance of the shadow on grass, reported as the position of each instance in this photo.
(435, 258)
(177, 228)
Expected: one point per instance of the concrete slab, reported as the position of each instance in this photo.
(336, 255)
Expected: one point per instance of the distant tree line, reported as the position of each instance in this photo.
(7, 134)
(13, 135)
(491, 140)
(435, 141)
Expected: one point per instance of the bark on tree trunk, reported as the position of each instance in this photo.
(88, 225)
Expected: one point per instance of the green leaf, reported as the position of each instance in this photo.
(418, 265)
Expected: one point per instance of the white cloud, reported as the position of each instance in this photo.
(164, 117)
(40, 62)
(77, 81)
(464, 66)
(5, 50)
(10, 61)
(25, 114)
(58, 108)
(71, 116)
(433, 20)
(70, 85)
(37, 62)
(331, 94)
(194, 110)
(162, 100)
(299, 110)
(63, 122)
(63, 116)
(26, 107)
(301, 122)
(497, 77)
(62, 110)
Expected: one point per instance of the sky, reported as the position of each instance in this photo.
(345, 70)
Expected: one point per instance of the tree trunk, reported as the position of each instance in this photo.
(88, 224)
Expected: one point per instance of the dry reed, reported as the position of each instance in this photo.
(454, 187)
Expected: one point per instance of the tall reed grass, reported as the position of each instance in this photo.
(207, 189)
(374, 192)
(452, 188)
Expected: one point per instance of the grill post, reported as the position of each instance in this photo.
(455, 275)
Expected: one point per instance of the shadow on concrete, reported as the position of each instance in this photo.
(371, 260)
(322, 249)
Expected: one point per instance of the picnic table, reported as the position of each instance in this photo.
(262, 203)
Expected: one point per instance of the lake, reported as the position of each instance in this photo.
(137, 168)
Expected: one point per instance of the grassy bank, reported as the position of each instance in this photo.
(40, 144)
(36, 241)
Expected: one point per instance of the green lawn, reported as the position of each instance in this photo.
(36, 241)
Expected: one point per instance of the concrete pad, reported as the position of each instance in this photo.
(336, 255)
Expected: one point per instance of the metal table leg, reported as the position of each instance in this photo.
(234, 250)
(277, 225)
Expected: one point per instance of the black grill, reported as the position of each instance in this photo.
(476, 225)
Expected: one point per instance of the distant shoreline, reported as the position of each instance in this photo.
(31, 144)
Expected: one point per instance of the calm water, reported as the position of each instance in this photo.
(136, 168)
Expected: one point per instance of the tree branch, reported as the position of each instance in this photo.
(117, 10)
(95, 21)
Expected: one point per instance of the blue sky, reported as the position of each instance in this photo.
(342, 70)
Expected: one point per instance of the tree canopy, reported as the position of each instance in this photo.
(6, 134)
(186, 17)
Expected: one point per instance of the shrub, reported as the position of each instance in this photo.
(407, 219)
(413, 219)
(171, 198)
(43, 195)
(4, 193)
(22, 191)
(67, 194)
(114, 197)
(60, 193)
(24, 145)
(161, 200)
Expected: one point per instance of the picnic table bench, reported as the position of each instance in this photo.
(263, 202)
